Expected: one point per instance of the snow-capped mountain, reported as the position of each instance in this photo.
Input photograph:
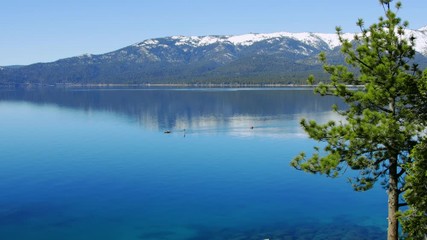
(317, 40)
(275, 57)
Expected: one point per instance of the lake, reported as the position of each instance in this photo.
(97, 164)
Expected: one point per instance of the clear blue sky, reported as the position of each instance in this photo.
(46, 30)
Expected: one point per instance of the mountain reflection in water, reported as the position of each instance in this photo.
(242, 112)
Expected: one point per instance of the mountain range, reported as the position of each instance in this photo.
(253, 58)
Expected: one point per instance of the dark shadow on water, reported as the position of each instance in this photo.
(341, 228)
(157, 235)
(336, 230)
(41, 214)
(13, 214)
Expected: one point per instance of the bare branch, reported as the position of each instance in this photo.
(402, 204)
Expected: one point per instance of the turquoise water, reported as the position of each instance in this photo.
(96, 164)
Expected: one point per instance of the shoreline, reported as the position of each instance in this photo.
(161, 85)
(149, 85)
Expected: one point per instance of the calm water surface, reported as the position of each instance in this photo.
(96, 164)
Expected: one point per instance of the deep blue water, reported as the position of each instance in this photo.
(96, 164)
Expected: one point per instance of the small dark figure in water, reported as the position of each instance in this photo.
(168, 131)
(252, 127)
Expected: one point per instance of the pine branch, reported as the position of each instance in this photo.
(402, 171)
(363, 63)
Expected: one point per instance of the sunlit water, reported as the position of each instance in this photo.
(96, 164)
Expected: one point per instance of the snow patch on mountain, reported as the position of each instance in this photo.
(247, 39)
(332, 39)
(151, 42)
(420, 40)
(423, 28)
(208, 40)
(312, 39)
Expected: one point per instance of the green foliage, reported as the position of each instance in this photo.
(381, 126)
(414, 220)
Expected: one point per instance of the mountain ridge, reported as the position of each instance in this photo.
(280, 57)
(308, 37)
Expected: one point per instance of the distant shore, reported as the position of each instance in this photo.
(95, 85)
(161, 85)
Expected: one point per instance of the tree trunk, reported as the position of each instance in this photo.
(393, 202)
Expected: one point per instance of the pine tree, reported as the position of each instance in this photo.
(381, 126)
